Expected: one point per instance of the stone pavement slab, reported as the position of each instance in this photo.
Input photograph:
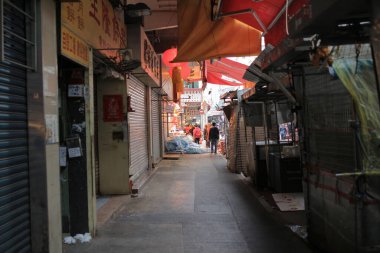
(193, 205)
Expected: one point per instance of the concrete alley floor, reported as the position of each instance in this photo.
(193, 205)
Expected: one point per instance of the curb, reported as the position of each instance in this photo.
(116, 203)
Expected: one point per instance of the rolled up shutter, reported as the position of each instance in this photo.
(156, 127)
(138, 128)
(14, 168)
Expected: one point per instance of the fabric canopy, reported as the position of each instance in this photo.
(200, 38)
(217, 78)
(263, 14)
(224, 70)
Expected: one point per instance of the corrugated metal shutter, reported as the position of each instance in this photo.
(14, 169)
(138, 127)
(156, 127)
(237, 155)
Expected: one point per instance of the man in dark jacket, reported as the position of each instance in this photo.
(214, 137)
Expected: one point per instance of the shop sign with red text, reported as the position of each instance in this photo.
(96, 23)
(73, 47)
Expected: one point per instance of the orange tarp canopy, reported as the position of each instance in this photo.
(200, 38)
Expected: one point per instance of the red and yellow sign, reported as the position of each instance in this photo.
(112, 108)
(73, 47)
(96, 23)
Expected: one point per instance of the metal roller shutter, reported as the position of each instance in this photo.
(156, 127)
(138, 127)
(14, 169)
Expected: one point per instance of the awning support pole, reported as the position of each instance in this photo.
(234, 13)
(275, 20)
(279, 84)
(272, 79)
(259, 21)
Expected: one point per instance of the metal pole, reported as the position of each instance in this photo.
(275, 20)
(375, 43)
(150, 128)
(278, 134)
(233, 13)
(272, 79)
(259, 21)
(266, 137)
(167, 124)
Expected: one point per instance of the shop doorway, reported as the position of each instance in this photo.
(73, 162)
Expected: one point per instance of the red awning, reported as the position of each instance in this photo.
(263, 15)
(217, 78)
(223, 72)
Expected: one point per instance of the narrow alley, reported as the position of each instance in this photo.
(193, 205)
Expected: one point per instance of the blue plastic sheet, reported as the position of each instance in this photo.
(184, 144)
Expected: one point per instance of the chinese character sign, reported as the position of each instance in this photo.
(73, 47)
(112, 108)
(149, 59)
(96, 22)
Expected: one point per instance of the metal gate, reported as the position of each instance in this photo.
(329, 149)
(156, 127)
(329, 113)
(14, 169)
(138, 128)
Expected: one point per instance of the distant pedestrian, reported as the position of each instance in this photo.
(191, 130)
(197, 134)
(214, 137)
(205, 134)
(187, 129)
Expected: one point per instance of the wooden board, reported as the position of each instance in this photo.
(169, 156)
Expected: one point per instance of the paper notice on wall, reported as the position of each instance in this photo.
(75, 90)
(62, 156)
(51, 122)
(75, 152)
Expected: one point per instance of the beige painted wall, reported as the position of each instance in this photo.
(113, 154)
(90, 144)
(50, 96)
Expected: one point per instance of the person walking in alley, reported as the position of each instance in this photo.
(187, 129)
(205, 134)
(214, 137)
(197, 134)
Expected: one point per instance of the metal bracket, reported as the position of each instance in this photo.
(375, 172)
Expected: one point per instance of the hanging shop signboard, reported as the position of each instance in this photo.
(112, 108)
(192, 112)
(169, 107)
(73, 47)
(96, 23)
(149, 70)
(150, 61)
(194, 95)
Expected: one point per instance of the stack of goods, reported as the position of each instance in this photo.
(221, 147)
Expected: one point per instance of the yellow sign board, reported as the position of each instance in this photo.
(97, 23)
(73, 47)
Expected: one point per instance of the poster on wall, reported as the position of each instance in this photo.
(51, 121)
(112, 108)
(285, 132)
(75, 90)
(74, 146)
